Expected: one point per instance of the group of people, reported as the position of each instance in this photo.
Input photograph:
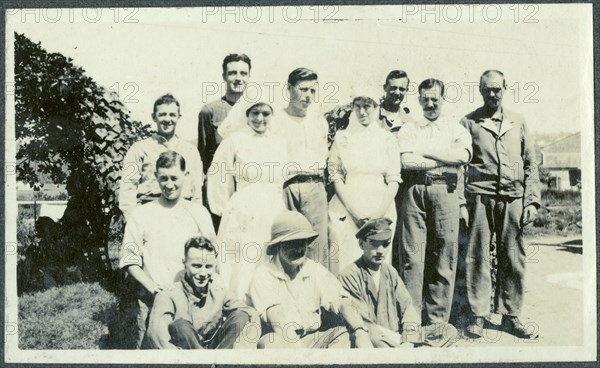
(287, 228)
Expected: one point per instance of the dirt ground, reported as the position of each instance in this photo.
(553, 302)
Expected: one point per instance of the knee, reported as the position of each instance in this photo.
(274, 340)
(180, 326)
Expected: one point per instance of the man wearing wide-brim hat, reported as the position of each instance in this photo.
(300, 302)
(380, 296)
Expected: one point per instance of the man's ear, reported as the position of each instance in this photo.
(360, 244)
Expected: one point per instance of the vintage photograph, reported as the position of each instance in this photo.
(243, 184)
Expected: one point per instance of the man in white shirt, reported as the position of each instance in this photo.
(305, 131)
(138, 184)
(433, 150)
(155, 235)
(301, 303)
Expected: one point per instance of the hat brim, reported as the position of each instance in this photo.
(298, 235)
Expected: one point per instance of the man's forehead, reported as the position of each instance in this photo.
(397, 81)
(307, 84)
(196, 255)
(492, 80)
(167, 106)
(167, 171)
(434, 91)
(237, 65)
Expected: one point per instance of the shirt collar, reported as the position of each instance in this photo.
(167, 143)
(278, 271)
(189, 291)
(423, 122)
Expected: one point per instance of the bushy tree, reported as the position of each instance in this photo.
(71, 129)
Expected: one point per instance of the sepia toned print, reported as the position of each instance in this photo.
(244, 184)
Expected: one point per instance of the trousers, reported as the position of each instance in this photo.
(499, 216)
(185, 336)
(428, 227)
(310, 199)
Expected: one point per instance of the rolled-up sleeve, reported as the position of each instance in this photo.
(462, 138)
(330, 290)
(264, 292)
(335, 166)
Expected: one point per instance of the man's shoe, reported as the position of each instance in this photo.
(513, 326)
(475, 328)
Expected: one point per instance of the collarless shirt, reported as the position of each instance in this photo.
(306, 139)
(155, 237)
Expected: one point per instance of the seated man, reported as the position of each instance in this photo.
(300, 300)
(190, 315)
(381, 297)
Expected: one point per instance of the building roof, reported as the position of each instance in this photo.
(563, 153)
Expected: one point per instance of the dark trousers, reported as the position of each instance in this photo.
(184, 335)
(429, 246)
(499, 216)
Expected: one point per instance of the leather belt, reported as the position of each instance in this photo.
(304, 179)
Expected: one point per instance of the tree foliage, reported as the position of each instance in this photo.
(68, 127)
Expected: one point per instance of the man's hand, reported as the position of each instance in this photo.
(529, 214)
(155, 288)
(463, 215)
(362, 339)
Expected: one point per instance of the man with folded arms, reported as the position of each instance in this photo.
(300, 302)
(433, 150)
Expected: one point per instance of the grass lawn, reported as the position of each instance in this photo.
(68, 317)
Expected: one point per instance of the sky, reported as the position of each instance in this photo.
(545, 52)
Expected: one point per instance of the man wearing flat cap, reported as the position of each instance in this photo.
(381, 297)
(300, 302)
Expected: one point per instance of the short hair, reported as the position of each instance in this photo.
(430, 83)
(364, 99)
(165, 100)
(200, 242)
(301, 74)
(396, 74)
(168, 159)
(258, 104)
(489, 72)
(236, 57)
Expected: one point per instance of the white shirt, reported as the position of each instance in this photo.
(155, 237)
(306, 139)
